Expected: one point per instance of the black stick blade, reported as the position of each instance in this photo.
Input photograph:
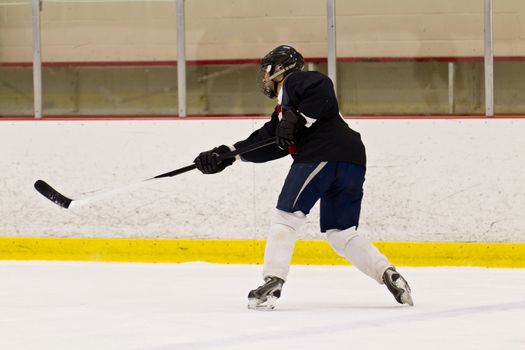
(52, 194)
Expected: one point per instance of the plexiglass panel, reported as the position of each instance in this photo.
(509, 49)
(16, 76)
(109, 57)
(393, 58)
(410, 57)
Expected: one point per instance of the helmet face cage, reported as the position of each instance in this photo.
(265, 84)
(282, 60)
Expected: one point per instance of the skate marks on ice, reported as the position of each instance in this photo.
(339, 327)
(194, 306)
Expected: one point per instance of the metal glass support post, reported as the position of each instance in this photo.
(37, 60)
(489, 61)
(181, 58)
(451, 78)
(330, 31)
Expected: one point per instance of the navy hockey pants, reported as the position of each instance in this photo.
(339, 185)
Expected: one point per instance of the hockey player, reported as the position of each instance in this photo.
(329, 164)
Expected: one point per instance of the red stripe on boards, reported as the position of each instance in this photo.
(245, 117)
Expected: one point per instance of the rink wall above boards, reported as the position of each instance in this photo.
(219, 29)
(440, 191)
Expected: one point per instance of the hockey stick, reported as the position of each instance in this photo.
(65, 202)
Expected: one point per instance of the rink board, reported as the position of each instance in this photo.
(307, 252)
(428, 180)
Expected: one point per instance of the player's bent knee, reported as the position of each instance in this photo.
(293, 220)
(339, 239)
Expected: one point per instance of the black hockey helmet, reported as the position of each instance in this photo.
(283, 60)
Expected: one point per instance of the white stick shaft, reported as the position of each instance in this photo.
(102, 194)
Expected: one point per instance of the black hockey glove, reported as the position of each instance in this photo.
(288, 129)
(208, 162)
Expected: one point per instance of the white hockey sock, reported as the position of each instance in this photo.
(280, 243)
(360, 251)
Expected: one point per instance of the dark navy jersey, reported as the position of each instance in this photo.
(326, 136)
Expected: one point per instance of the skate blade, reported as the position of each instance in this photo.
(405, 297)
(259, 305)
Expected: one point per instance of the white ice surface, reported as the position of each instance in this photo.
(63, 305)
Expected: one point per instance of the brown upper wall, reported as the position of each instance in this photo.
(242, 29)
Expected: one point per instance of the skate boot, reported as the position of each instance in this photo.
(398, 286)
(265, 297)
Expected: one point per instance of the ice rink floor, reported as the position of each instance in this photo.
(70, 305)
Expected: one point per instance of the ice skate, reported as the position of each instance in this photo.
(398, 286)
(265, 297)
